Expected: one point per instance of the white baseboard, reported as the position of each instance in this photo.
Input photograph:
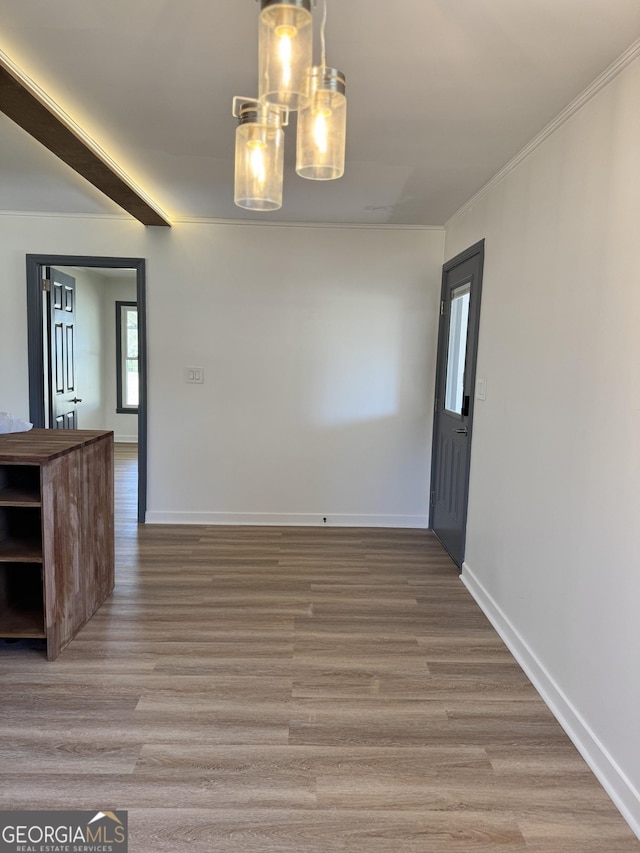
(297, 519)
(125, 439)
(603, 765)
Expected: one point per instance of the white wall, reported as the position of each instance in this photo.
(552, 547)
(125, 427)
(89, 348)
(318, 348)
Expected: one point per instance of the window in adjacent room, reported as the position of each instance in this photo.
(127, 357)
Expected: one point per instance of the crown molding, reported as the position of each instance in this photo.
(366, 226)
(47, 214)
(562, 118)
(192, 220)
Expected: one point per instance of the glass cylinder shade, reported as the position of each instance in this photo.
(322, 125)
(285, 46)
(259, 155)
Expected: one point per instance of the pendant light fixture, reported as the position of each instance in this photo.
(322, 122)
(285, 51)
(259, 153)
(322, 127)
(288, 81)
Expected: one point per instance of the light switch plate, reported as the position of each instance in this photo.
(194, 375)
(481, 389)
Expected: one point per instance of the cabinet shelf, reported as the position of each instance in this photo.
(22, 624)
(20, 551)
(21, 600)
(19, 497)
(19, 485)
(20, 534)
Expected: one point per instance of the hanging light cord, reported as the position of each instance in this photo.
(323, 42)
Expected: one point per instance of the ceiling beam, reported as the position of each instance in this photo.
(29, 107)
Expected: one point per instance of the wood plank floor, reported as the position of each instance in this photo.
(279, 690)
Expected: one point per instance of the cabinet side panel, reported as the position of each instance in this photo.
(61, 532)
(3, 591)
(97, 523)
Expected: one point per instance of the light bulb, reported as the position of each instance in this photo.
(285, 52)
(320, 131)
(256, 159)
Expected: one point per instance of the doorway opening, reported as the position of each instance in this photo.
(121, 279)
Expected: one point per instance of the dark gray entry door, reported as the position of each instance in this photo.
(63, 397)
(455, 384)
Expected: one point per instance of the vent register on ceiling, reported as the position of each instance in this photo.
(288, 81)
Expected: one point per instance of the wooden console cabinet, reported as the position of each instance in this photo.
(56, 532)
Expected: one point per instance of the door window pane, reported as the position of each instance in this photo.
(457, 351)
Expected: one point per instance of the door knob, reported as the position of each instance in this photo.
(462, 431)
(75, 400)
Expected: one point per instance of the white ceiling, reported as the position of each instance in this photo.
(441, 94)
